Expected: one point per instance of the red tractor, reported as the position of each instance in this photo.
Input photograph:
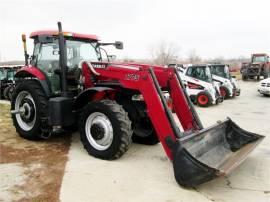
(259, 66)
(67, 82)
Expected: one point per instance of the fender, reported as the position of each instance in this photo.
(33, 72)
(83, 98)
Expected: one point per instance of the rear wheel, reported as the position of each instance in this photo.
(224, 92)
(244, 77)
(30, 104)
(266, 75)
(203, 99)
(105, 129)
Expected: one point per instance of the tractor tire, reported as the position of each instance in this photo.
(105, 129)
(143, 130)
(10, 92)
(5, 92)
(266, 75)
(203, 99)
(225, 93)
(30, 96)
(150, 139)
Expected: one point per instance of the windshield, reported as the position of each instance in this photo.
(221, 70)
(10, 75)
(46, 55)
(200, 72)
(2, 74)
(259, 59)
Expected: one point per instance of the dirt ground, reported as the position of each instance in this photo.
(30, 171)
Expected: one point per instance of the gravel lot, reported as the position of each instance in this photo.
(33, 171)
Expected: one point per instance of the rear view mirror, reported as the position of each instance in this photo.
(119, 45)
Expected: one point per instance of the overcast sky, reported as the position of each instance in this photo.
(214, 28)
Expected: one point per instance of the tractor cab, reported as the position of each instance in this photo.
(221, 70)
(78, 47)
(259, 58)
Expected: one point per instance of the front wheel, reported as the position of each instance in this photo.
(105, 129)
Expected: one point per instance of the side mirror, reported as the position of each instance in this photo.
(119, 45)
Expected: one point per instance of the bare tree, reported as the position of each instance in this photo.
(164, 53)
(193, 57)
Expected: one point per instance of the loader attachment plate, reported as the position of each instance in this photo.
(211, 152)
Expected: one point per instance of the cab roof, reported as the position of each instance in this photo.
(67, 34)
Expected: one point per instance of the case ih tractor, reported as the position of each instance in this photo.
(259, 66)
(67, 82)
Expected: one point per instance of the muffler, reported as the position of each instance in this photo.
(211, 152)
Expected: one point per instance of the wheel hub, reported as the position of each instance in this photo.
(97, 131)
(28, 110)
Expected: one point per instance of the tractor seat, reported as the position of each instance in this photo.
(73, 76)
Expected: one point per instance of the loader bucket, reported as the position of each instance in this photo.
(212, 152)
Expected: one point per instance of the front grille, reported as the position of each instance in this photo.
(265, 84)
(253, 70)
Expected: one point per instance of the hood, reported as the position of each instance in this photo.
(265, 80)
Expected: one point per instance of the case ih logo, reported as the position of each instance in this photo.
(132, 77)
(100, 66)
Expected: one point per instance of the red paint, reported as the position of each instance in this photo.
(72, 34)
(35, 72)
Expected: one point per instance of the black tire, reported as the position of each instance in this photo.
(203, 99)
(10, 92)
(5, 93)
(244, 77)
(150, 139)
(121, 125)
(266, 75)
(226, 94)
(39, 128)
(143, 130)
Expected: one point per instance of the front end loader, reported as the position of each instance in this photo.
(52, 93)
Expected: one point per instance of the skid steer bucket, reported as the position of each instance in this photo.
(212, 152)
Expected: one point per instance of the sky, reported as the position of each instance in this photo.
(214, 28)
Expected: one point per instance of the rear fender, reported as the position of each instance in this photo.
(94, 93)
(36, 74)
